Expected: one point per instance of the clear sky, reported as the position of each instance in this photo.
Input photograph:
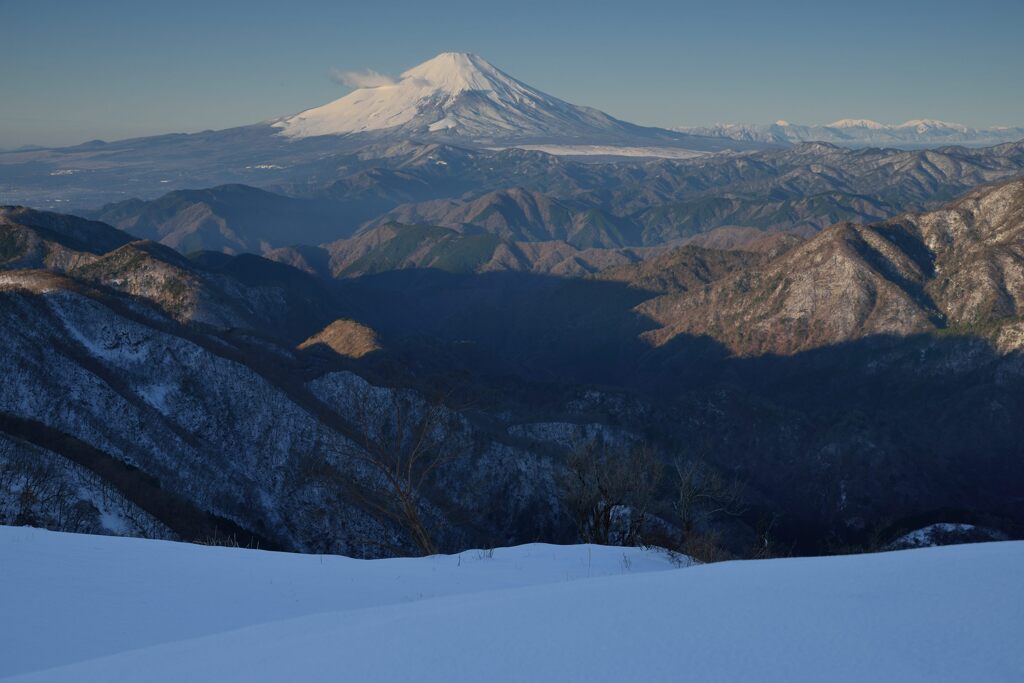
(77, 70)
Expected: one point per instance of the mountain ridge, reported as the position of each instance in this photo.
(201, 374)
(528, 195)
(911, 134)
(954, 268)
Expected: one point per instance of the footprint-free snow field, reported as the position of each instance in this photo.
(91, 608)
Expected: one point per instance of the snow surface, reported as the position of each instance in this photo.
(72, 597)
(196, 614)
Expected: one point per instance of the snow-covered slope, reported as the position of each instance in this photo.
(74, 597)
(916, 133)
(461, 95)
(169, 612)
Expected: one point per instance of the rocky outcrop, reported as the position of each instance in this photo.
(346, 338)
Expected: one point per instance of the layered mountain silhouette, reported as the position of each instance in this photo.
(519, 195)
(455, 98)
(212, 390)
(204, 344)
(244, 292)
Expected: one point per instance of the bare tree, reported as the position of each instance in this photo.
(37, 489)
(403, 442)
(704, 495)
(609, 491)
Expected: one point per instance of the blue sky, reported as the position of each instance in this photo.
(73, 71)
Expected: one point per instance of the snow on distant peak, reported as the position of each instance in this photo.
(857, 123)
(922, 125)
(913, 134)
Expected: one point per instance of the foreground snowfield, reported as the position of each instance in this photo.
(89, 608)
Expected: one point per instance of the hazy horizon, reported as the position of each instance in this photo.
(117, 70)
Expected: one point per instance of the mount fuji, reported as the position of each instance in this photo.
(455, 99)
(459, 96)
(455, 93)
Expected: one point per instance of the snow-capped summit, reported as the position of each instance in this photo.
(924, 125)
(462, 95)
(857, 123)
(455, 72)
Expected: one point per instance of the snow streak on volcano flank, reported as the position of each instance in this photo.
(457, 93)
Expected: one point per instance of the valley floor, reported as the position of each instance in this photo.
(93, 608)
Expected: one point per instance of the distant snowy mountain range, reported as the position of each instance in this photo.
(457, 100)
(864, 133)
